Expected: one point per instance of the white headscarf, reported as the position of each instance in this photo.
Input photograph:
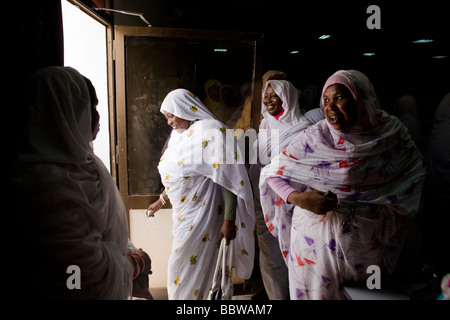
(68, 200)
(176, 100)
(194, 186)
(287, 125)
(286, 91)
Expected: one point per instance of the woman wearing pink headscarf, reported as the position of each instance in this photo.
(368, 160)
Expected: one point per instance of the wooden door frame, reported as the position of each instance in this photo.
(121, 148)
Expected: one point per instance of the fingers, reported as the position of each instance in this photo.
(328, 204)
(150, 213)
(221, 236)
(228, 238)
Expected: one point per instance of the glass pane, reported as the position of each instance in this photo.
(154, 67)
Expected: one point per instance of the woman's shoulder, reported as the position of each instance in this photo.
(211, 124)
(312, 134)
(318, 129)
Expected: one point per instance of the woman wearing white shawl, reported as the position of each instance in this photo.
(198, 166)
(70, 208)
(276, 129)
(375, 170)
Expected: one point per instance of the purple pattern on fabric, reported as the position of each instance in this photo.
(324, 165)
(309, 241)
(298, 293)
(308, 149)
(327, 281)
(332, 245)
(347, 230)
(291, 211)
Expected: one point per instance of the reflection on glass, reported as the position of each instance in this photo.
(219, 72)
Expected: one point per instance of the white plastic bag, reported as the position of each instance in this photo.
(222, 285)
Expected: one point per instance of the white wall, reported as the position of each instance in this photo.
(155, 237)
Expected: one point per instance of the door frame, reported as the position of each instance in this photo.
(121, 153)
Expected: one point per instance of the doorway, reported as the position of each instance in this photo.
(149, 63)
(85, 49)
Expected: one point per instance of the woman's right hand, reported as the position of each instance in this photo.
(313, 201)
(153, 208)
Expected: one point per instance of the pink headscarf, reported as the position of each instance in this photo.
(369, 114)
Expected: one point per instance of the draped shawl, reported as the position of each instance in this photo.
(375, 162)
(197, 164)
(71, 210)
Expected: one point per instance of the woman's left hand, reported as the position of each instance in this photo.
(228, 231)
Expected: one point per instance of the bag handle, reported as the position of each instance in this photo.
(222, 273)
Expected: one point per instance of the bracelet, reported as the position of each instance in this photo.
(138, 264)
(162, 199)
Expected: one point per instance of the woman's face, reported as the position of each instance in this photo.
(272, 101)
(176, 123)
(339, 107)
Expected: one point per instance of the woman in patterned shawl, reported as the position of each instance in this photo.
(208, 187)
(368, 160)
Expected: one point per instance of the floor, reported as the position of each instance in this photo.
(241, 293)
(154, 236)
(161, 294)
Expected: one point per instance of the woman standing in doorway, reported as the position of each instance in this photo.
(211, 198)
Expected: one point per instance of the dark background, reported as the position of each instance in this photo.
(399, 66)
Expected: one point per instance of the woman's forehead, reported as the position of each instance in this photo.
(336, 88)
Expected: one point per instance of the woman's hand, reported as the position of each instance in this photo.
(313, 201)
(228, 231)
(153, 208)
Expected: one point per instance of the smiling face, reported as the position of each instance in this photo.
(176, 123)
(272, 101)
(339, 107)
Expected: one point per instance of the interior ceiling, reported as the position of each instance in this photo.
(297, 25)
(398, 66)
